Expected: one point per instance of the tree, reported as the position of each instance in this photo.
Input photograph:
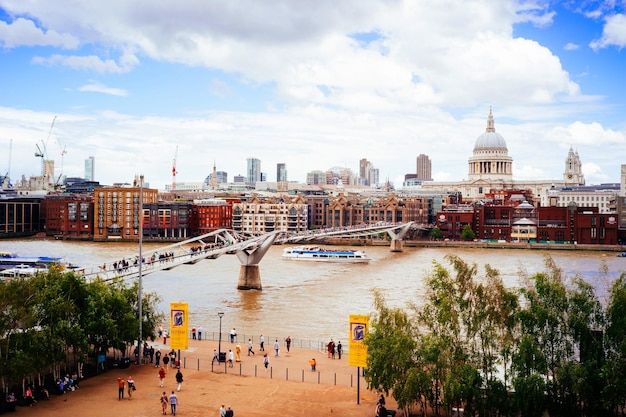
(436, 233)
(391, 353)
(50, 316)
(614, 369)
(468, 233)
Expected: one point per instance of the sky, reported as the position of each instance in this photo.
(312, 84)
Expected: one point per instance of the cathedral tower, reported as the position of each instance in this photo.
(573, 174)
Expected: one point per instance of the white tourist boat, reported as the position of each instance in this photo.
(316, 253)
(20, 271)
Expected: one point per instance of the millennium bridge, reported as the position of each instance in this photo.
(249, 249)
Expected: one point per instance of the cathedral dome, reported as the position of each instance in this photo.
(490, 140)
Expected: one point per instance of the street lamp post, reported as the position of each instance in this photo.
(219, 343)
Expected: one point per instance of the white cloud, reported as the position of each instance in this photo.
(571, 46)
(91, 63)
(96, 87)
(23, 32)
(423, 84)
(614, 33)
(579, 133)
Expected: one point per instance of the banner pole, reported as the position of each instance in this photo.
(358, 385)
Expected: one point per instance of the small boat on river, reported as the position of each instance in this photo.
(318, 254)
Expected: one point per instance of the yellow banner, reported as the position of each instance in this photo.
(357, 351)
(179, 326)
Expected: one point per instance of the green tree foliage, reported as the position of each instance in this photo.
(48, 317)
(467, 233)
(436, 233)
(614, 372)
(468, 340)
(391, 345)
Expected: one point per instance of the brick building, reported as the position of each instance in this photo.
(68, 216)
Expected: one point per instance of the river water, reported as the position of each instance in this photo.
(309, 300)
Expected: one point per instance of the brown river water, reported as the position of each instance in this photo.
(311, 301)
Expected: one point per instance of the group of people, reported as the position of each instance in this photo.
(172, 400)
(334, 349)
(163, 373)
(121, 386)
(195, 331)
(226, 412)
(67, 383)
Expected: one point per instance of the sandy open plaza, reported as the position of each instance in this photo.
(203, 391)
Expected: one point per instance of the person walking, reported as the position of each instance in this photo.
(266, 361)
(179, 379)
(121, 384)
(250, 347)
(131, 386)
(339, 349)
(157, 355)
(162, 374)
(216, 358)
(233, 335)
(330, 347)
(173, 403)
(276, 348)
(231, 357)
(288, 343)
(261, 343)
(164, 400)
(172, 356)
(165, 337)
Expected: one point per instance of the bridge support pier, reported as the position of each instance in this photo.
(397, 245)
(249, 274)
(249, 278)
(396, 238)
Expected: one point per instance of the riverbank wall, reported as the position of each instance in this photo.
(479, 245)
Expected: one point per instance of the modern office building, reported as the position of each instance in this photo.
(316, 177)
(281, 172)
(253, 171)
(424, 168)
(90, 168)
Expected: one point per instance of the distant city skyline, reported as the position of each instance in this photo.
(132, 82)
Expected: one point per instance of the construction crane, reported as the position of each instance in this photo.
(42, 151)
(63, 152)
(174, 172)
